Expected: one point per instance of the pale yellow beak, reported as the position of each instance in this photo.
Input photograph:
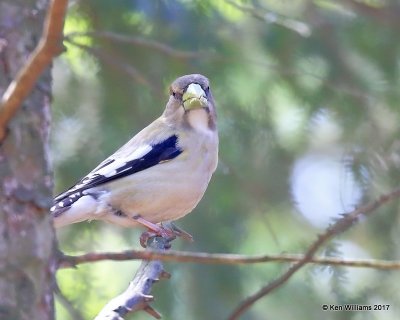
(194, 97)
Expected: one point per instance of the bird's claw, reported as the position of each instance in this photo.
(166, 230)
(164, 233)
(180, 232)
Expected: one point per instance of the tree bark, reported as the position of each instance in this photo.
(27, 239)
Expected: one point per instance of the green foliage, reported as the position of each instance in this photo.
(283, 97)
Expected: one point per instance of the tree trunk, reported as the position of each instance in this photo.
(27, 240)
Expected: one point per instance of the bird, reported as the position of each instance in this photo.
(160, 174)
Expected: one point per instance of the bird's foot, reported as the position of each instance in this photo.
(177, 231)
(167, 230)
(164, 233)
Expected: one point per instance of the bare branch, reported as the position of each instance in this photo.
(48, 47)
(139, 41)
(137, 295)
(221, 258)
(336, 228)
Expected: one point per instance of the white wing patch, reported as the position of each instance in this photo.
(109, 168)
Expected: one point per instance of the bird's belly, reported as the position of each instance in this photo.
(169, 195)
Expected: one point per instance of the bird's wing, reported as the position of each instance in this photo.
(118, 166)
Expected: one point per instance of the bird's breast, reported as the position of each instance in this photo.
(171, 189)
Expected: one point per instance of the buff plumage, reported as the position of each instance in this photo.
(160, 174)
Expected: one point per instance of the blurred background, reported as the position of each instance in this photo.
(308, 111)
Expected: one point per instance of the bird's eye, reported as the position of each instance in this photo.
(207, 90)
(177, 95)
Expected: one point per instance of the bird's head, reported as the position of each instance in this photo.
(191, 102)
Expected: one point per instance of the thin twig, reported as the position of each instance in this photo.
(387, 14)
(48, 47)
(221, 258)
(139, 41)
(137, 295)
(67, 305)
(179, 54)
(336, 228)
(272, 17)
(128, 69)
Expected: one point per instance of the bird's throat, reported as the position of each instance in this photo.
(199, 119)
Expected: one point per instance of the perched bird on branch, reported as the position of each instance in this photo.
(159, 175)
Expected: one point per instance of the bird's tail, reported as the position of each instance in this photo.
(77, 209)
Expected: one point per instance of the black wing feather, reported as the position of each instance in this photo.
(161, 152)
